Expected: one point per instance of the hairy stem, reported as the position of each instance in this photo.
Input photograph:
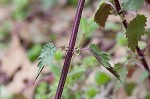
(70, 50)
(139, 51)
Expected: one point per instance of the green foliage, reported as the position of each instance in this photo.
(20, 4)
(46, 57)
(53, 88)
(121, 39)
(76, 71)
(20, 9)
(42, 91)
(132, 5)
(100, 55)
(46, 4)
(34, 52)
(75, 74)
(102, 58)
(53, 37)
(4, 30)
(87, 25)
(91, 92)
(147, 96)
(66, 94)
(129, 88)
(5, 1)
(55, 70)
(59, 55)
(90, 61)
(122, 71)
(134, 31)
(102, 14)
(118, 71)
(73, 2)
(101, 78)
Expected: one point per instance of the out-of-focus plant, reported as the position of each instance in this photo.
(5, 1)
(20, 9)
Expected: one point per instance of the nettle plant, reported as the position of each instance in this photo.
(134, 30)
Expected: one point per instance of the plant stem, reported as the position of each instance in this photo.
(70, 50)
(139, 51)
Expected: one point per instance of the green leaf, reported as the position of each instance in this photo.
(76, 71)
(132, 5)
(135, 29)
(34, 52)
(102, 14)
(129, 87)
(101, 78)
(41, 91)
(46, 57)
(103, 59)
(75, 75)
(87, 25)
(91, 92)
(59, 55)
(122, 71)
(55, 70)
(84, 25)
(92, 24)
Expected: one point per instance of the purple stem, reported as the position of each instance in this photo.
(139, 51)
(70, 50)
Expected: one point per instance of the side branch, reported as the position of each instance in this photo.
(139, 51)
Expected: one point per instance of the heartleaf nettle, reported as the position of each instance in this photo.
(118, 72)
(102, 14)
(135, 30)
(46, 57)
(132, 5)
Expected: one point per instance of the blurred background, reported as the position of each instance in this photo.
(26, 25)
